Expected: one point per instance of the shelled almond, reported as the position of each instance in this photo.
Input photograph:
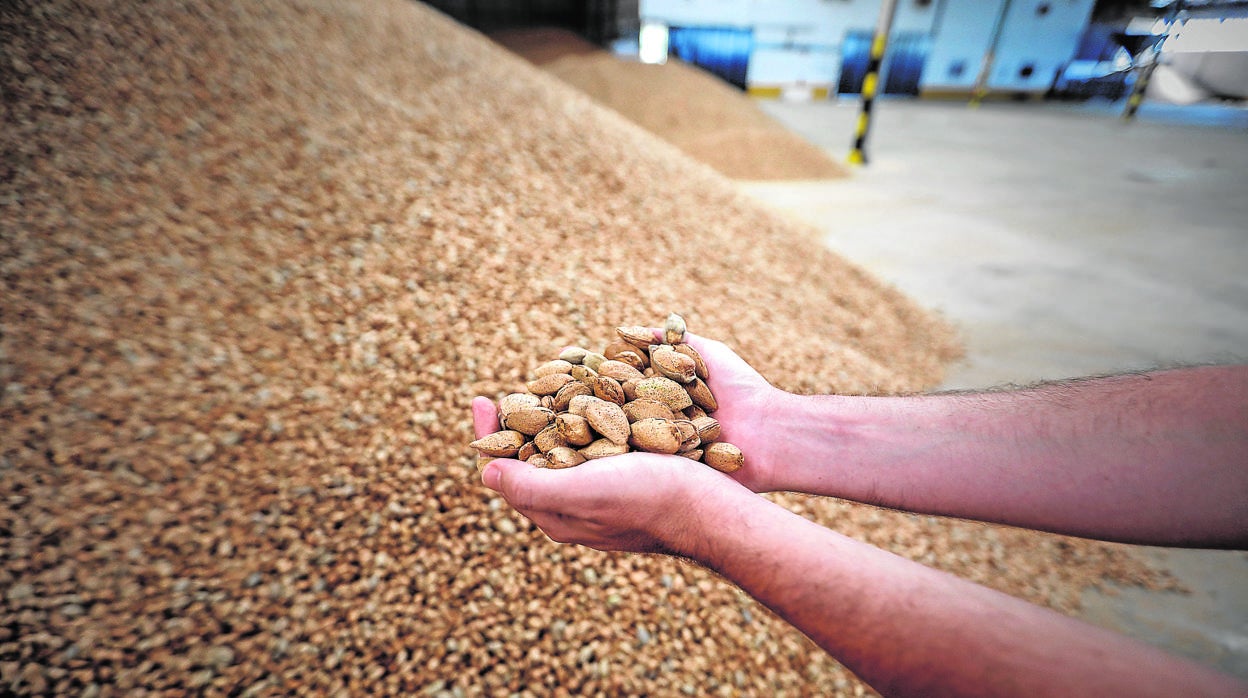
(637, 395)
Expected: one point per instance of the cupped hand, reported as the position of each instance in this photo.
(748, 406)
(638, 502)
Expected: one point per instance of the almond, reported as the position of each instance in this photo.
(635, 358)
(630, 389)
(593, 360)
(699, 365)
(618, 370)
(549, 438)
(666, 391)
(574, 429)
(516, 401)
(695, 454)
(701, 395)
(567, 392)
(527, 451)
(640, 337)
(573, 355)
(646, 409)
(538, 460)
(708, 428)
(584, 374)
(530, 420)
(614, 349)
(674, 329)
(577, 405)
(723, 457)
(556, 366)
(672, 364)
(607, 418)
(549, 384)
(500, 444)
(564, 457)
(603, 448)
(655, 436)
(609, 389)
(689, 438)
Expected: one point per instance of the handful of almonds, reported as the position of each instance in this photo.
(637, 395)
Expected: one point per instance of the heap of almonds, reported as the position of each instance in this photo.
(635, 396)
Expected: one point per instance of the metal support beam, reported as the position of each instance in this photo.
(871, 82)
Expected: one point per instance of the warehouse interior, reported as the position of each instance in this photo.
(257, 261)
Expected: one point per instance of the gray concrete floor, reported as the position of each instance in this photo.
(1060, 242)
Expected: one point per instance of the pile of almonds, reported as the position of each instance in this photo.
(256, 260)
(635, 395)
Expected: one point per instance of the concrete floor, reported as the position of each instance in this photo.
(1061, 242)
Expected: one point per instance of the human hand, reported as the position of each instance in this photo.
(637, 502)
(747, 403)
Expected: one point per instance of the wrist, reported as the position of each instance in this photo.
(843, 446)
(710, 505)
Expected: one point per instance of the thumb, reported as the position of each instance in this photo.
(525, 487)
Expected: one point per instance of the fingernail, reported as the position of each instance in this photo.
(491, 475)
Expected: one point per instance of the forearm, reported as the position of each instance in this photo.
(909, 630)
(1158, 458)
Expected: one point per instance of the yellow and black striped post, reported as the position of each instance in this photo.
(1137, 92)
(1146, 73)
(871, 82)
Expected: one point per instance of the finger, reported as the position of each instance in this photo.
(484, 416)
(717, 354)
(530, 488)
(521, 484)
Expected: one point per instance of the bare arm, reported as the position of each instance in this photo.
(907, 629)
(1158, 458)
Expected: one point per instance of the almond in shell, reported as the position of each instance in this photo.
(607, 418)
(530, 420)
(574, 430)
(723, 457)
(549, 438)
(573, 355)
(674, 329)
(701, 395)
(618, 370)
(689, 438)
(655, 436)
(666, 391)
(699, 365)
(672, 364)
(640, 337)
(500, 444)
(517, 401)
(564, 457)
(708, 428)
(603, 448)
(578, 404)
(556, 366)
(548, 384)
(609, 389)
(567, 392)
(646, 409)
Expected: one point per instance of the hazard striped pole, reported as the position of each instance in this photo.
(1141, 83)
(871, 82)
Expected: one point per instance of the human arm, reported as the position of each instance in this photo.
(904, 628)
(1158, 458)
